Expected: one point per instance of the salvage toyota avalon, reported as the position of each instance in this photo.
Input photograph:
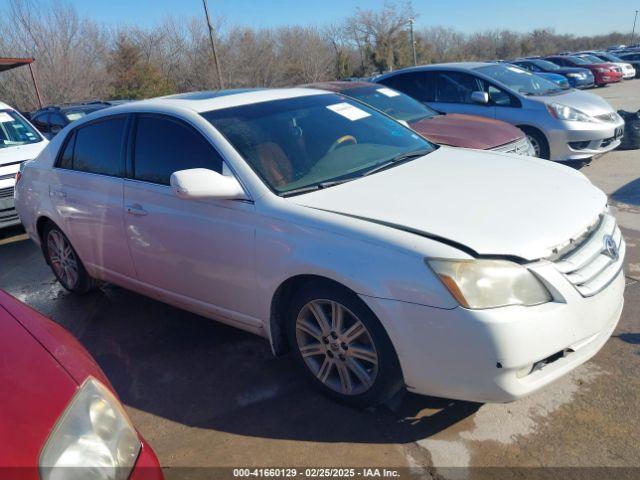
(380, 260)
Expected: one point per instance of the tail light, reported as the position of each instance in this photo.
(18, 177)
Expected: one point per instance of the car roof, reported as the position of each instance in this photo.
(205, 101)
(461, 66)
(340, 85)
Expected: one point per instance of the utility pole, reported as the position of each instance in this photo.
(413, 43)
(633, 32)
(213, 44)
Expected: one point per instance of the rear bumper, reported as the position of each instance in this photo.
(480, 355)
(582, 140)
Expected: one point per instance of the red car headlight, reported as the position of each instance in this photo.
(92, 440)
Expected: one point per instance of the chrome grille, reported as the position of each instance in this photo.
(520, 146)
(590, 267)
(6, 192)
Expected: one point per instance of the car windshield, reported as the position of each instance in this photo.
(591, 58)
(610, 58)
(305, 143)
(15, 130)
(73, 115)
(520, 80)
(393, 103)
(583, 61)
(545, 65)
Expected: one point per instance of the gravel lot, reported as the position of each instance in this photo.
(204, 394)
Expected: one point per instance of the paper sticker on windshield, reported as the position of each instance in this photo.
(348, 111)
(5, 117)
(388, 92)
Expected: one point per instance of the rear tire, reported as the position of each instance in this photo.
(65, 262)
(342, 346)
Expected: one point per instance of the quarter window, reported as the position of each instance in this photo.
(164, 146)
(97, 147)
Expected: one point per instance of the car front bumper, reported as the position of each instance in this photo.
(486, 355)
(588, 82)
(583, 140)
(8, 214)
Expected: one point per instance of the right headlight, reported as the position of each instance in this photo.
(92, 440)
(481, 284)
(564, 112)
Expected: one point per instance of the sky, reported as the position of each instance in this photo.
(580, 17)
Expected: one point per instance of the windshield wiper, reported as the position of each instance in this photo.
(397, 160)
(314, 187)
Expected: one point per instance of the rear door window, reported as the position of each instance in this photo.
(164, 145)
(419, 85)
(97, 147)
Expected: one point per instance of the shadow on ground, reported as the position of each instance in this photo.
(201, 373)
(629, 193)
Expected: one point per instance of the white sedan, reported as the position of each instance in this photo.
(381, 260)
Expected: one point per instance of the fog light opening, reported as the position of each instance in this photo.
(529, 369)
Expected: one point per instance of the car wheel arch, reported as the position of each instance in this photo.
(537, 131)
(41, 223)
(281, 301)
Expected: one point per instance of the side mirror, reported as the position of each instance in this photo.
(480, 97)
(199, 183)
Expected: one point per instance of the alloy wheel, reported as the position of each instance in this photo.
(337, 347)
(536, 145)
(63, 259)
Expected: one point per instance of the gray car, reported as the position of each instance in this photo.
(561, 124)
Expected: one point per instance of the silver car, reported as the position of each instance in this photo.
(561, 124)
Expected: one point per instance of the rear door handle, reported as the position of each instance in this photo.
(136, 210)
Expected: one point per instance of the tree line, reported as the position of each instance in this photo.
(79, 59)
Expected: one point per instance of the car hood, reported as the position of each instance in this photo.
(466, 131)
(21, 152)
(565, 70)
(584, 101)
(492, 204)
(35, 392)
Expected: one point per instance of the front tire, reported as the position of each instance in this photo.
(65, 262)
(539, 142)
(342, 346)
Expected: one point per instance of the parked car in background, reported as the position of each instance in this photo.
(19, 142)
(627, 69)
(577, 77)
(266, 209)
(604, 73)
(466, 131)
(559, 80)
(60, 415)
(633, 58)
(561, 124)
(50, 120)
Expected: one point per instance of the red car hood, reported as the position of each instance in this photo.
(35, 392)
(41, 366)
(467, 131)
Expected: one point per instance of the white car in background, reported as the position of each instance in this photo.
(19, 141)
(381, 260)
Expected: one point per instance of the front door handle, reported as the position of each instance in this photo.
(136, 210)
